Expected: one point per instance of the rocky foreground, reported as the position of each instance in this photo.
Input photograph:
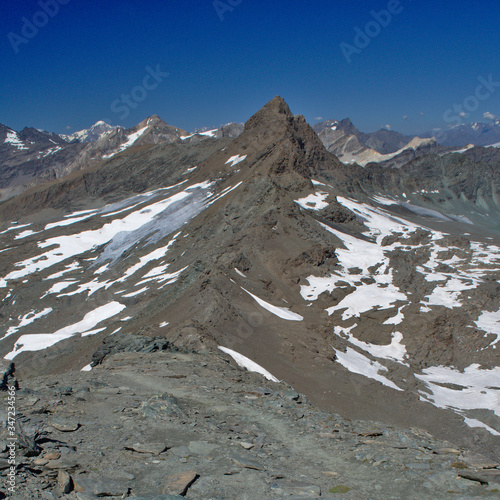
(172, 423)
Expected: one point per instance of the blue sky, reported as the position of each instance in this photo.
(224, 63)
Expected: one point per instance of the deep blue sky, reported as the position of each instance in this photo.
(91, 52)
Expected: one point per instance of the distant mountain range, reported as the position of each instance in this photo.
(479, 134)
(91, 134)
(390, 148)
(32, 156)
(350, 145)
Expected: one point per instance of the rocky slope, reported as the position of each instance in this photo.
(340, 280)
(164, 421)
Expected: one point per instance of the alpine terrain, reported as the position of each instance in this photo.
(156, 270)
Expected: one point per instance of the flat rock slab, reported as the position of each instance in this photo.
(447, 451)
(247, 446)
(65, 426)
(483, 476)
(100, 487)
(148, 448)
(178, 484)
(296, 489)
(160, 497)
(479, 461)
(246, 463)
(202, 447)
(180, 451)
(62, 463)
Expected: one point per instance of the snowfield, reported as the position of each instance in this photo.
(39, 341)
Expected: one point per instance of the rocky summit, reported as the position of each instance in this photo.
(140, 291)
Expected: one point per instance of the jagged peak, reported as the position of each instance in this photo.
(278, 105)
(271, 114)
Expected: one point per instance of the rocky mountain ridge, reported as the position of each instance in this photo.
(91, 134)
(46, 156)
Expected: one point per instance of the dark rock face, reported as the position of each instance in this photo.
(8, 379)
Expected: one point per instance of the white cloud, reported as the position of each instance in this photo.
(489, 116)
(388, 127)
(463, 114)
(319, 118)
(405, 117)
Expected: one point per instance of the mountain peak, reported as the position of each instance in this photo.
(151, 121)
(278, 105)
(273, 115)
(156, 123)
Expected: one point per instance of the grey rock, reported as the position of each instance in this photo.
(299, 490)
(62, 463)
(64, 482)
(100, 487)
(483, 476)
(65, 426)
(246, 463)
(160, 497)
(149, 448)
(245, 445)
(202, 448)
(180, 451)
(178, 484)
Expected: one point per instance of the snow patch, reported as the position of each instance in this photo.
(26, 320)
(247, 363)
(357, 363)
(234, 160)
(281, 312)
(37, 342)
(395, 351)
(131, 139)
(13, 139)
(490, 323)
(480, 389)
(313, 201)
